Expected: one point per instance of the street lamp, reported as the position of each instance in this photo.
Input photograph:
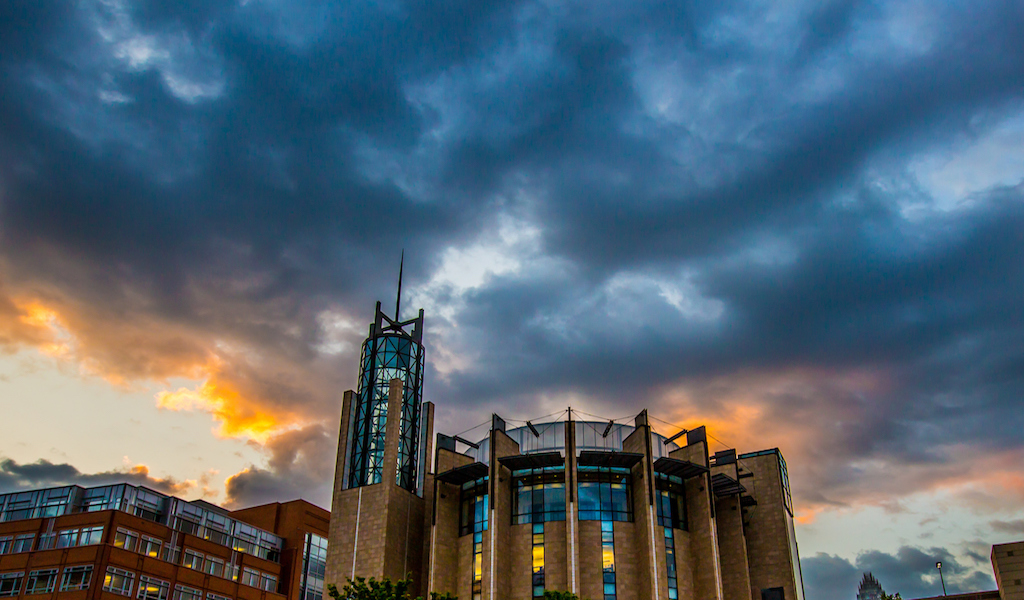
(938, 565)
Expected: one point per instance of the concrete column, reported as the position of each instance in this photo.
(392, 431)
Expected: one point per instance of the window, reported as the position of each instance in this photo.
(214, 566)
(152, 589)
(212, 596)
(150, 546)
(10, 584)
(42, 581)
(608, 558)
(670, 564)
(119, 581)
(604, 494)
(76, 578)
(67, 538)
(268, 582)
(192, 560)
(182, 592)
(23, 543)
(314, 564)
(671, 499)
(90, 536)
(538, 495)
(47, 540)
(538, 560)
(478, 565)
(473, 507)
(6, 543)
(250, 577)
(126, 539)
(773, 593)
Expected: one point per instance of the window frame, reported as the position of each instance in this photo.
(33, 578)
(86, 582)
(126, 577)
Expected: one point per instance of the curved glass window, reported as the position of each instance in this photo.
(538, 495)
(385, 358)
(473, 507)
(671, 499)
(604, 494)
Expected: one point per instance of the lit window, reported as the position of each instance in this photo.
(118, 581)
(90, 536)
(150, 546)
(76, 578)
(538, 560)
(538, 495)
(10, 584)
(478, 565)
(126, 539)
(608, 558)
(42, 581)
(23, 543)
(152, 589)
(6, 543)
(182, 592)
(192, 559)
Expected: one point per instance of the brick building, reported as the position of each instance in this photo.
(606, 510)
(129, 541)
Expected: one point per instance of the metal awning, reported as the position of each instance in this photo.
(597, 458)
(723, 485)
(539, 460)
(463, 474)
(678, 468)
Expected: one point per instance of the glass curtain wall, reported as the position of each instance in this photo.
(386, 357)
(473, 507)
(538, 560)
(314, 565)
(538, 495)
(608, 558)
(671, 499)
(604, 494)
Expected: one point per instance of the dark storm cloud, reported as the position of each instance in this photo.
(910, 572)
(43, 474)
(728, 199)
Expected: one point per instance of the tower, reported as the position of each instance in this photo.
(378, 508)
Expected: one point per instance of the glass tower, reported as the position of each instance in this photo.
(393, 350)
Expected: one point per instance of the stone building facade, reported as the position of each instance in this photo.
(606, 510)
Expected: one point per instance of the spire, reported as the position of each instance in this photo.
(398, 301)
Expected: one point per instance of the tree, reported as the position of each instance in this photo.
(385, 589)
(553, 595)
(895, 596)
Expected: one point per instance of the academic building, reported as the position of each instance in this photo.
(120, 541)
(606, 510)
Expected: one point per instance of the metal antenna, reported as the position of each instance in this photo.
(398, 301)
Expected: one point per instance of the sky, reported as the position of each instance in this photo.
(797, 223)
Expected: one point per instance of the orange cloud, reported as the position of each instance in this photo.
(251, 391)
(237, 418)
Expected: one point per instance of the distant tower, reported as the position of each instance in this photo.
(378, 509)
(870, 589)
